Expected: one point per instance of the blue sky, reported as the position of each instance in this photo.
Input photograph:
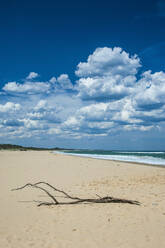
(83, 74)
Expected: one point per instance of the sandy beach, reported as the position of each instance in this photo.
(24, 225)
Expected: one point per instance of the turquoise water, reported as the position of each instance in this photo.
(148, 157)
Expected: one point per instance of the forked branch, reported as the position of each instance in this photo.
(75, 200)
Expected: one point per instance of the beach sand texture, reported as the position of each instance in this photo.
(24, 225)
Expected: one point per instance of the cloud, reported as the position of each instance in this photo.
(40, 105)
(142, 109)
(94, 119)
(53, 80)
(12, 123)
(95, 112)
(150, 93)
(108, 74)
(107, 98)
(9, 107)
(27, 87)
(64, 82)
(79, 126)
(32, 124)
(105, 88)
(44, 112)
(32, 75)
(107, 61)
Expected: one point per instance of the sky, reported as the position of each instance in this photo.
(83, 74)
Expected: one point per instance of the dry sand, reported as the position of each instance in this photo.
(24, 225)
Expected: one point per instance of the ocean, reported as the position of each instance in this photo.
(147, 157)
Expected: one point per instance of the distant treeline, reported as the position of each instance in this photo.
(24, 148)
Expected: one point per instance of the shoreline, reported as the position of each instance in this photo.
(69, 154)
(121, 161)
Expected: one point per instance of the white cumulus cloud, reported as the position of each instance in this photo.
(27, 87)
(108, 74)
(32, 75)
(107, 61)
(64, 81)
(150, 92)
(105, 88)
(107, 97)
(9, 106)
(53, 80)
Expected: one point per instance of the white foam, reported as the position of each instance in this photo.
(143, 152)
(126, 158)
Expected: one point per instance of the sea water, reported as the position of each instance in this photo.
(147, 157)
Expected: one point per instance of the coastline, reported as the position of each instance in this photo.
(117, 225)
(121, 161)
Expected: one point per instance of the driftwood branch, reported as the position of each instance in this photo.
(75, 200)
